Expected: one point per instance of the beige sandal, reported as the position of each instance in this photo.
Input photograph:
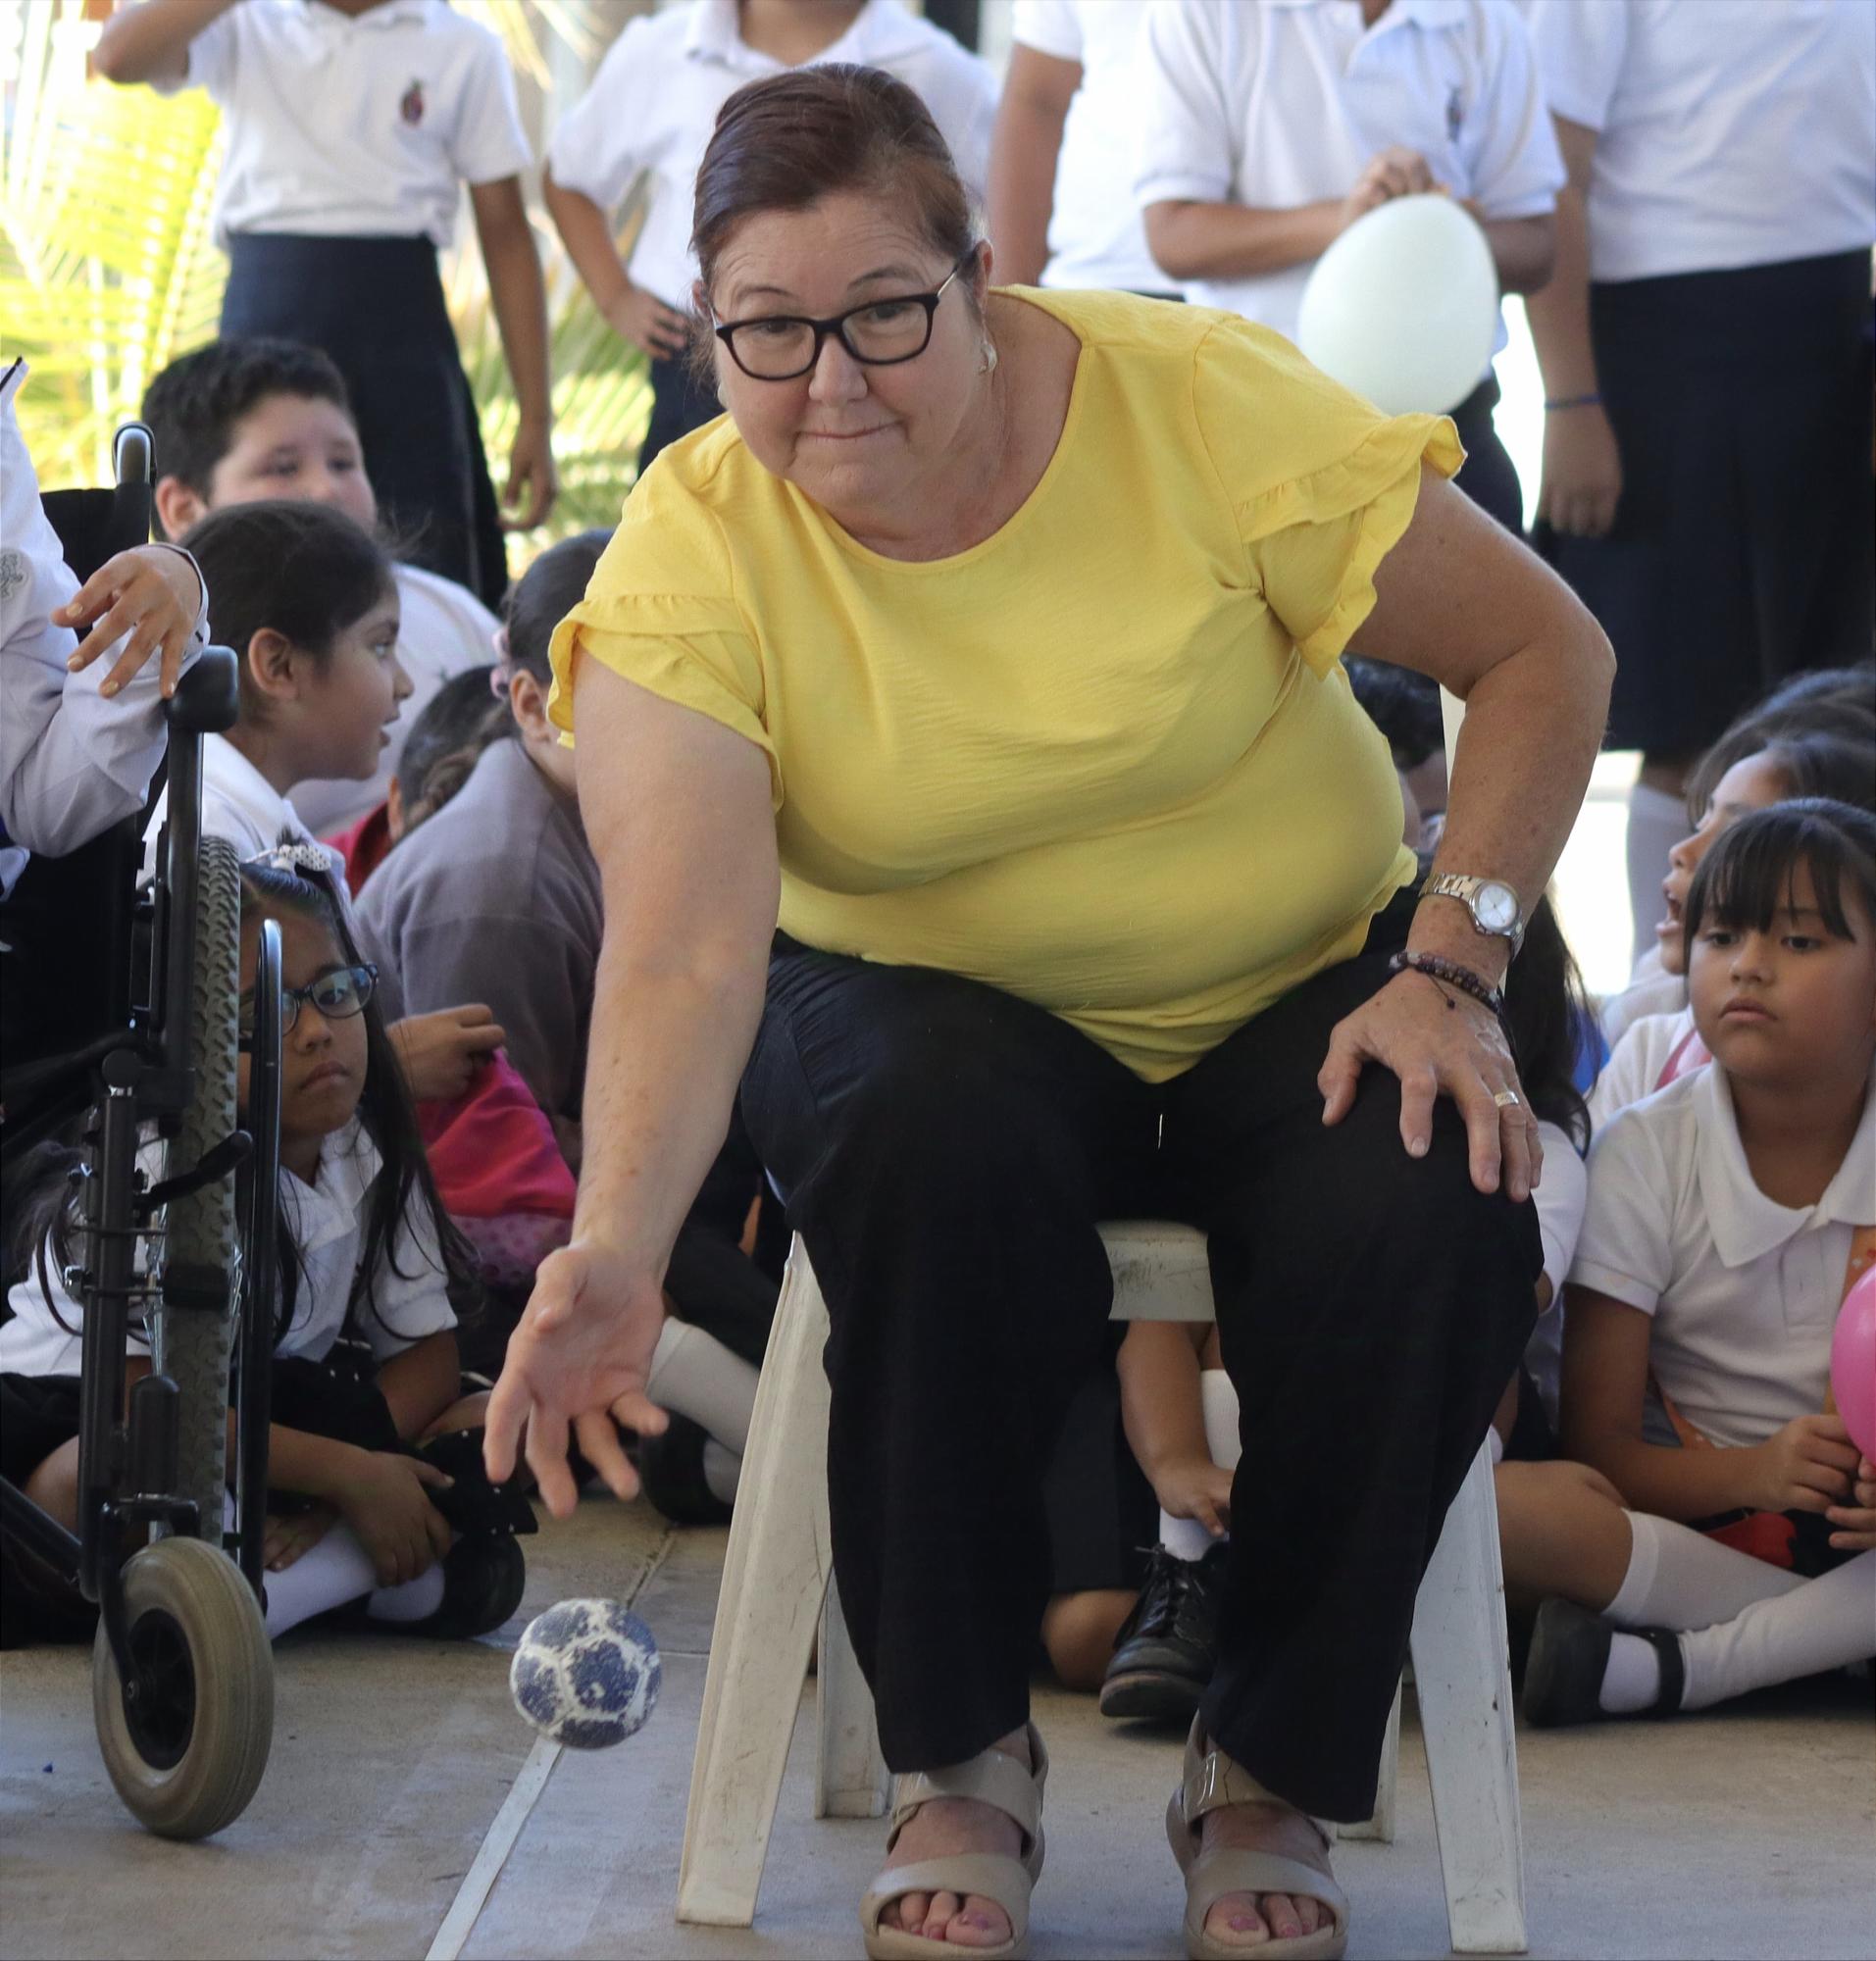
(991, 1777)
(1211, 1783)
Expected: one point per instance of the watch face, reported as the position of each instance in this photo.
(1497, 907)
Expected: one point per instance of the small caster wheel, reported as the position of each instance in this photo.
(187, 1745)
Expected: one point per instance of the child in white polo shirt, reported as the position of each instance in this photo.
(1268, 126)
(238, 421)
(352, 127)
(1062, 210)
(1717, 1530)
(650, 110)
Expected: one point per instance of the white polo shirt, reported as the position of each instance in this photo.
(1095, 237)
(1280, 103)
(72, 762)
(1744, 1292)
(653, 105)
(366, 125)
(1635, 1065)
(443, 631)
(239, 804)
(326, 1220)
(1729, 132)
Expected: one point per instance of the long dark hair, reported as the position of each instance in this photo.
(42, 1201)
(1828, 701)
(1546, 1009)
(1747, 878)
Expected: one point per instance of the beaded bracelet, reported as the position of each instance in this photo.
(1436, 967)
(1592, 400)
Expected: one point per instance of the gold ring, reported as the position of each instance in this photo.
(1508, 1099)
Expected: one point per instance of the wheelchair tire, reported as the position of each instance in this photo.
(193, 1346)
(188, 1752)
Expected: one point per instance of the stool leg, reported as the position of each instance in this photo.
(773, 1578)
(1464, 1681)
(850, 1777)
(1381, 1825)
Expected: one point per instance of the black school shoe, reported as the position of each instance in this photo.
(1166, 1648)
(1569, 1657)
(670, 1469)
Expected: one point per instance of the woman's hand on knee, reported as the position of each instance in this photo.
(576, 1370)
(1440, 1042)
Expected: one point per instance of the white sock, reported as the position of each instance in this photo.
(1657, 821)
(336, 1570)
(1633, 1678)
(722, 1470)
(1185, 1538)
(1819, 1623)
(1220, 1402)
(415, 1600)
(1680, 1578)
(695, 1375)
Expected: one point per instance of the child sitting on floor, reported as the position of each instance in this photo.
(1656, 1048)
(367, 1398)
(1717, 1530)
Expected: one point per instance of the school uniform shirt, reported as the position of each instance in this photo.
(1635, 1065)
(1095, 236)
(653, 105)
(443, 631)
(72, 763)
(327, 1221)
(503, 866)
(1280, 103)
(1729, 132)
(1652, 991)
(359, 126)
(239, 804)
(1744, 1292)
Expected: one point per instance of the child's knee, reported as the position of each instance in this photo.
(469, 1412)
(1077, 1634)
(54, 1485)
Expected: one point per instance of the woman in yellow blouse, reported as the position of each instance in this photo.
(990, 643)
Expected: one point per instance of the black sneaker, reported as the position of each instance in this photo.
(483, 1578)
(1164, 1652)
(671, 1470)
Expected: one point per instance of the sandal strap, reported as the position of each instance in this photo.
(1227, 1870)
(992, 1777)
(1214, 1781)
(991, 1876)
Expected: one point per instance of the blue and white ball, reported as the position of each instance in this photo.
(586, 1674)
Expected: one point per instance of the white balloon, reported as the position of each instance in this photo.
(1404, 307)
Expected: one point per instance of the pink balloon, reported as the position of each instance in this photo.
(1853, 1364)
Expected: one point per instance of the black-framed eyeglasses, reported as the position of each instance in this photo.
(339, 994)
(784, 346)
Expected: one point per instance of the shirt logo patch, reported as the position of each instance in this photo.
(12, 572)
(411, 108)
(1455, 116)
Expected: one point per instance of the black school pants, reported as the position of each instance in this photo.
(947, 1150)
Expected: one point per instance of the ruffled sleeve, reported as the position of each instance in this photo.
(661, 610)
(1321, 483)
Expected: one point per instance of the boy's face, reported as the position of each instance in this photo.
(298, 446)
(1793, 1004)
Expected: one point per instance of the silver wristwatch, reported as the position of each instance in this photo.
(1493, 904)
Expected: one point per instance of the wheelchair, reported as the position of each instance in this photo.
(120, 1010)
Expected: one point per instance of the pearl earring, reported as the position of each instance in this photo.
(987, 366)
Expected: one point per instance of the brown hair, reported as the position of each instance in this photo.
(791, 139)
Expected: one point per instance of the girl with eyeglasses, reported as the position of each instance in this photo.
(376, 1493)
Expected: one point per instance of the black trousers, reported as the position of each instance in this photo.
(678, 405)
(1487, 476)
(948, 1149)
(376, 306)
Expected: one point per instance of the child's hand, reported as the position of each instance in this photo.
(530, 478)
(1856, 1521)
(288, 1539)
(1395, 171)
(441, 1052)
(1806, 1467)
(384, 1498)
(644, 320)
(151, 593)
(1194, 1487)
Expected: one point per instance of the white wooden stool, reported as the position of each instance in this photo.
(777, 1585)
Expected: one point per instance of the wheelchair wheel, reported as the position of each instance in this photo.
(186, 1751)
(193, 1346)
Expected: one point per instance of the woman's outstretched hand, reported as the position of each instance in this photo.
(578, 1363)
(1438, 1042)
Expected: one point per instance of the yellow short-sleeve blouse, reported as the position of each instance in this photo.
(1106, 760)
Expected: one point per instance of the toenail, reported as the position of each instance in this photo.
(1242, 1922)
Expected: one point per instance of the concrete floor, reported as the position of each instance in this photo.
(1747, 1833)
